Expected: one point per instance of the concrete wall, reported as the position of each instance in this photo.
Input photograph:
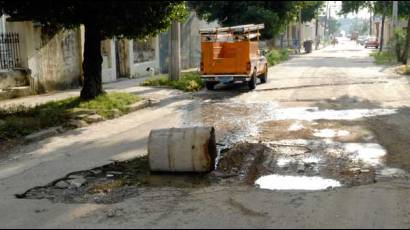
(139, 69)
(54, 60)
(109, 67)
(109, 71)
(13, 78)
(388, 30)
(287, 37)
(131, 66)
(190, 43)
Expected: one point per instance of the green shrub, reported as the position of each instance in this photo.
(405, 70)
(383, 58)
(276, 56)
(189, 82)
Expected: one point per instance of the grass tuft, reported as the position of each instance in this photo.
(189, 82)
(18, 121)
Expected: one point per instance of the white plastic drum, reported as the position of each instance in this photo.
(182, 149)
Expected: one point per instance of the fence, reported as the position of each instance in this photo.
(9, 51)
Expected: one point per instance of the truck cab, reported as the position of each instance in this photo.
(232, 54)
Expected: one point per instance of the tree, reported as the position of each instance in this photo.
(353, 6)
(101, 20)
(383, 8)
(274, 14)
(311, 9)
(334, 26)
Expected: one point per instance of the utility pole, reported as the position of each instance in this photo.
(371, 23)
(326, 19)
(317, 32)
(175, 60)
(395, 10)
(394, 24)
(382, 29)
(3, 23)
(300, 28)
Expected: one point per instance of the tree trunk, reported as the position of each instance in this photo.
(382, 33)
(92, 86)
(406, 46)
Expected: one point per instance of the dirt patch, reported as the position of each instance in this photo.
(392, 133)
(246, 162)
(355, 131)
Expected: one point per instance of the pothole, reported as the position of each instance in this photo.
(113, 183)
(283, 165)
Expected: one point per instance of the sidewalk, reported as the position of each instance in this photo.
(122, 85)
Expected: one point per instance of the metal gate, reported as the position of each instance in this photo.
(9, 51)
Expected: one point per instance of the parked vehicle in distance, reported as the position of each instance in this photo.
(354, 36)
(232, 54)
(362, 39)
(372, 42)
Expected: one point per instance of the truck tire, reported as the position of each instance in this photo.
(210, 85)
(264, 76)
(252, 82)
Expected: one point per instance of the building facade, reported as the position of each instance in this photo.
(54, 58)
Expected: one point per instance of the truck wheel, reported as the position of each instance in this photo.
(264, 76)
(210, 85)
(252, 82)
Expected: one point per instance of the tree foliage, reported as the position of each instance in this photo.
(354, 6)
(310, 9)
(101, 19)
(274, 14)
(377, 7)
(384, 8)
(113, 18)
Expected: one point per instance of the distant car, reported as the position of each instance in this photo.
(372, 42)
(362, 40)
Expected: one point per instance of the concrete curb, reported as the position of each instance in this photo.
(83, 120)
(44, 133)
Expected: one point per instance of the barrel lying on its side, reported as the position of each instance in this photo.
(182, 149)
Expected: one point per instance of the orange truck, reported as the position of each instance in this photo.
(232, 54)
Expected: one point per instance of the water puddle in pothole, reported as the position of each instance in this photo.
(279, 182)
(314, 113)
(281, 165)
(347, 154)
(330, 133)
(235, 121)
(255, 147)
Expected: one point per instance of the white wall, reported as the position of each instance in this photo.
(54, 61)
(3, 24)
(140, 69)
(109, 68)
(109, 71)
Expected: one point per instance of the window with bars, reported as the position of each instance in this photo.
(9, 51)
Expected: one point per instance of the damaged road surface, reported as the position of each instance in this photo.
(324, 144)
